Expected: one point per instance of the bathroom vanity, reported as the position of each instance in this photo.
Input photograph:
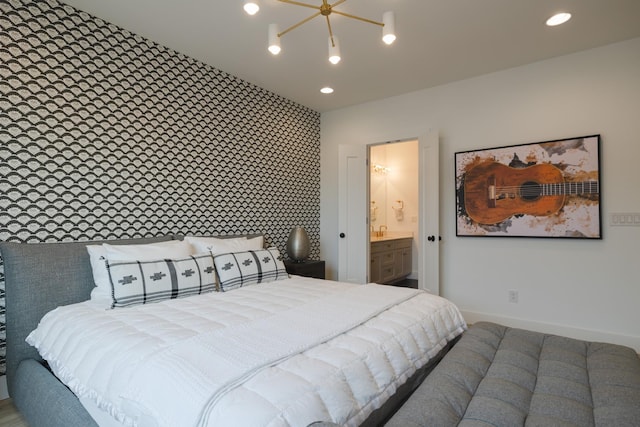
(391, 258)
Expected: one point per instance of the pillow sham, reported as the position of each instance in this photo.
(239, 269)
(143, 282)
(149, 252)
(219, 246)
(98, 255)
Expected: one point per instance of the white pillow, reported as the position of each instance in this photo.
(98, 255)
(239, 269)
(219, 246)
(148, 252)
(144, 282)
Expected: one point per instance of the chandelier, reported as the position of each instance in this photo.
(325, 9)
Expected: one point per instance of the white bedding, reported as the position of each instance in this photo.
(229, 359)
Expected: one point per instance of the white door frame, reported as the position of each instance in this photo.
(353, 248)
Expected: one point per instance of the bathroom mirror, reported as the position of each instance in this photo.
(378, 194)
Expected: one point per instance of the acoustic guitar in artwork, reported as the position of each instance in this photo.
(494, 192)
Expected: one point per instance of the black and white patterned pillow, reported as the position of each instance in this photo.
(239, 269)
(144, 282)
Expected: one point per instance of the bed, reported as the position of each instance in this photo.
(345, 353)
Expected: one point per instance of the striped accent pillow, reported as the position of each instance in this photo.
(144, 282)
(239, 269)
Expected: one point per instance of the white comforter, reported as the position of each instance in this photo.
(281, 354)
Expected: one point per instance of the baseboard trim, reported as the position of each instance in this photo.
(551, 328)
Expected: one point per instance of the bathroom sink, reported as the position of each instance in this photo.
(391, 235)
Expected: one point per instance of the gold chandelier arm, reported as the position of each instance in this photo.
(348, 15)
(330, 31)
(337, 3)
(297, 3)
(293, 27)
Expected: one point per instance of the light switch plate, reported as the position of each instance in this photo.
(625, 219)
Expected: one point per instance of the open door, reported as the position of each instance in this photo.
(429, 268)
(353, 208)
(353, 247)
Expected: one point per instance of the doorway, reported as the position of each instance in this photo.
(394, 203)
(353, 213)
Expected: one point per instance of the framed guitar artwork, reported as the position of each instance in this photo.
(542, 189)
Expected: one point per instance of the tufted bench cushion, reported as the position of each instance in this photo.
(501, 376)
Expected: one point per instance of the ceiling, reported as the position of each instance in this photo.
(439, 41)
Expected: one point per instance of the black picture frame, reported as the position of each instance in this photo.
(538, 189)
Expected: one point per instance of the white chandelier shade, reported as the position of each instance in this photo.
(334, 50)
(388, 28)
(274, 39)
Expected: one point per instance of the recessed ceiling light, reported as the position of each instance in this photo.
(326, 90)
(251, 7)
(558, 18)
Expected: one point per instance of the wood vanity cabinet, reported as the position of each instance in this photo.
(390, 260)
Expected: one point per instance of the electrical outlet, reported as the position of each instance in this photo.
(513, 296)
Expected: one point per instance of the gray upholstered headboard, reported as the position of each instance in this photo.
(42, 276)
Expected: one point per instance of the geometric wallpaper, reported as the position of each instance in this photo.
(105, 134)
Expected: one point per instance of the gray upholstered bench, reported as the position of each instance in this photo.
(500, 376)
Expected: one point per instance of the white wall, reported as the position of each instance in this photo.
(584, 288)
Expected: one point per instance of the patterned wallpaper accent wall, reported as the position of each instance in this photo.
(105, 134)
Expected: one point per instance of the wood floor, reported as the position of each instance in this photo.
(9, 415)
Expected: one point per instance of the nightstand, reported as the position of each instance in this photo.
(308, 268)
